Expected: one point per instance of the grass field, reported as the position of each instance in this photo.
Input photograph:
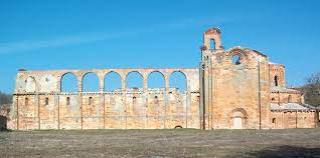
(161, 143)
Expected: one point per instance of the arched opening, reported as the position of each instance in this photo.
(69, 83)
(236, 59)
(90, 100)
(238, 118)
(46, 102)
(212, 44)
(273, 120)
(30, 84)
(134, 80)
(289, 99)
(178, 80)
(156, 80)
(276, 81)
(26, 101)
(90, 82)
(112, 82)
(68, 100)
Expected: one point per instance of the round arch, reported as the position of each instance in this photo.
(174, 80)
(31, 84)
(153, 79)
(137, 79)
(238, 118)
(90, 82)
(112, 81)
(68, 82)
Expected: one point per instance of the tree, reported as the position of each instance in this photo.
(312, 90)
(5, 98)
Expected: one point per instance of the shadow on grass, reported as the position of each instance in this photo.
(285, 151)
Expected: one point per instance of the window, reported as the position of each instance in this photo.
(90, 101)
(46, 101)
(289, 99)
(236, 59)
(273, 120)
(212, 44)
(273, 99)
(26, 101)
(276, 81)
(68, 100)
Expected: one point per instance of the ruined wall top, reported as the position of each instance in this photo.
(49, 81)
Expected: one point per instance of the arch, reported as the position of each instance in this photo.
(112, 81)
(236, 59)
(30, 83)
(156, 79)
(69, 82)
(90, 82)
(212, 43)
(238, 118)
(237, 56)
(134, 79)
(178, 80)
(276, 80)
(274, 120)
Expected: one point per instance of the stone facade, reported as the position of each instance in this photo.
(236, 88)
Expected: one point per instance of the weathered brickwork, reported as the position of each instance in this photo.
(235, 88)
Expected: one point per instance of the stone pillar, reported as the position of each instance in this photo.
(38, 108)
(188, 99)
(80, 99)
(102, 100)
(167, 89)
(124, 86)
(145, 96)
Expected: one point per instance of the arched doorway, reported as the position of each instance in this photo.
(238, 118)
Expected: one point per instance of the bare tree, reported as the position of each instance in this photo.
(312, 90)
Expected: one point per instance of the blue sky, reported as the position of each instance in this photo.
(77, 34)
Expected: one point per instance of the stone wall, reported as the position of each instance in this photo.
(37, 105)
(294, 119)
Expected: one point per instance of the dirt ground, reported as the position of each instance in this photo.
(161, 143)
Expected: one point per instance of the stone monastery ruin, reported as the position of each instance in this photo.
(237, 88)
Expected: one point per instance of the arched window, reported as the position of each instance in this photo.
(289, 99)
(112, 82)
(68, 100)
(46, 101)
(212, 44)
(30, 84)
(276, 81)
(90, 100)
(69, 83)
(236, 59)
(178, 80)
(134, 80)
(273, 120)
(90, 82)
(156, 80)
(26, 101)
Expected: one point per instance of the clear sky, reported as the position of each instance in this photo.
(82, 34)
